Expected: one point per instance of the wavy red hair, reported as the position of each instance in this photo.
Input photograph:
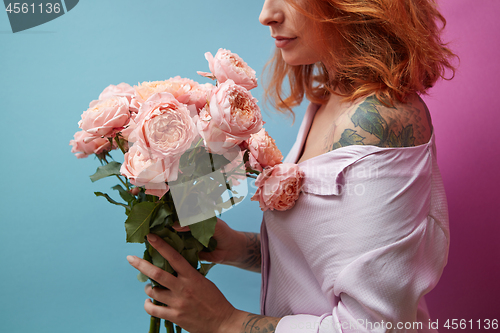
(390, 48)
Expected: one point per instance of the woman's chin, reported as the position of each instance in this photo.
(294, 59)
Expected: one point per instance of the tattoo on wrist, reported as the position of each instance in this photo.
(259, 324)
(252, 255)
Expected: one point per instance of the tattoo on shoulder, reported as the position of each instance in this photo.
(252, 260)
(348, 137)
(259, 324)
(367, 117)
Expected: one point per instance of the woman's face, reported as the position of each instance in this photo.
(292, 32)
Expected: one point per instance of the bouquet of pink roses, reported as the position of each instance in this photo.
(187, 146)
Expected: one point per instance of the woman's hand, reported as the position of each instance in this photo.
(230, 244)
(229, 248)
(193, 302)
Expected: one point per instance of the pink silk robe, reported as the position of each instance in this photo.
(367, 239)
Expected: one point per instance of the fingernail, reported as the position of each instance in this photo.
(131, 259)
(152, 238)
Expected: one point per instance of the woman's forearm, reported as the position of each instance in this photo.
(249, 257)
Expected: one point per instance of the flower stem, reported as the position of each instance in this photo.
(169, 326)
(229, 188)
(124, 184)
(198, 143)
(119, 144)
(154, 325)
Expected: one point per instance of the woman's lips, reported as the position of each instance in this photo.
(281, 42)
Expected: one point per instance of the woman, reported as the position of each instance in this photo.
(368, 236)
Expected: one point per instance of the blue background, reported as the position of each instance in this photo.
(63, 250)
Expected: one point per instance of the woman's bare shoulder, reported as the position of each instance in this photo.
(370, 122)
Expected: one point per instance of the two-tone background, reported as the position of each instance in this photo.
(62, 250)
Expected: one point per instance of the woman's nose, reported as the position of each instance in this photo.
(271, 13)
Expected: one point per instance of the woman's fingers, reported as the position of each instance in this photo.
(159, 275)
(159, 311)
(178, 263)
(160, 294)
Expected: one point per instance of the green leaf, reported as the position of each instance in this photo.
(198, 162)
(204, 268)
(147, 256)
(142, 196)
(100, 194)
(137, 223)
(191, 255)
(169, 221)
(156, 258)
(159, 261)
(162, 213)
(212, 245)
(142, 278)
(191, 243)
(203, 230)
(172, 238)
(126, 195)
(110, 169)
(219, 161)
(369, 119)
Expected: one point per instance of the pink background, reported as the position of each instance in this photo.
(466, 117)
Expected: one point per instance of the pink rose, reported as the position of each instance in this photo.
(164, 126)
(121, 90)
(107, 117)
(229, 66)
(134, 106)
(175, 86)
(263, 151)
(278, 187)
(230, 118)
(129, 128)
(198, 96)
(85, 144)
(142, 169)
(184, 90)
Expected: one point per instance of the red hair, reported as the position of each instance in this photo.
(391, 48)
